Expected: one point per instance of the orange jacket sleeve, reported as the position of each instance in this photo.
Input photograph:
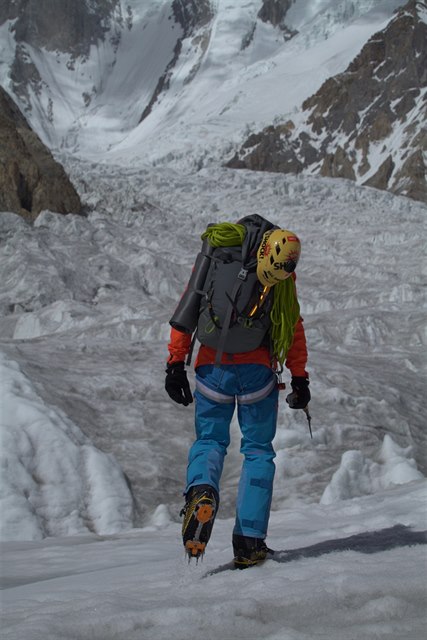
(178, 346)
(296, 360)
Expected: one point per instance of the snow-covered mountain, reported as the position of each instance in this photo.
(143, 102)
(150, 78)
(368, 123)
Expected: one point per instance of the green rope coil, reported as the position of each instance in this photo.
(285, 311)
(225, 234)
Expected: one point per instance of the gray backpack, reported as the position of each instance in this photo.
(231, 319)
(222, 298)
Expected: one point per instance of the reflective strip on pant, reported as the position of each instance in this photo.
(256, 396)
(214, 395)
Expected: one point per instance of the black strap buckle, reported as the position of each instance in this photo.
(243, 273)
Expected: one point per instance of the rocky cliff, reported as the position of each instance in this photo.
(65, 27)
(366, 124)
(30, 179)
(274, 11)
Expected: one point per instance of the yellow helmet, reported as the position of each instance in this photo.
(278, 255)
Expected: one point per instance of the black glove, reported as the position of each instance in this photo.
(176, 384)
(300, 396)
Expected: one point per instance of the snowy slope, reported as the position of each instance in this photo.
(135, 586)
(53, 479)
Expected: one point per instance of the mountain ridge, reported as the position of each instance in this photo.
(381, 91)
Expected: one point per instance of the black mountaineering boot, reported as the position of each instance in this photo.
(248, 551)
(201, 506)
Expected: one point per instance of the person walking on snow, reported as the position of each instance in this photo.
(241, 300)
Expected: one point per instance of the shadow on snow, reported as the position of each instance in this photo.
(369, 542)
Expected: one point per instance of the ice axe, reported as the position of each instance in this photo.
(307, 413)
(290, 399)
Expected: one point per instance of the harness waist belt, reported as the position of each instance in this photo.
(245, 398)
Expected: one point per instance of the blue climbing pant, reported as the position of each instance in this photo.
(254, 387)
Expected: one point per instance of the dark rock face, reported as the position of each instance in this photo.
(274, 11)
(192, 14)
(30, 179)
(359, 114)
(68, 26)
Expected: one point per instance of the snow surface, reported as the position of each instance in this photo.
(84, 309)
(85, 348)
(136, 586)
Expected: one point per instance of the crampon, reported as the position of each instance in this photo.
(199, 514)
(249, 552)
